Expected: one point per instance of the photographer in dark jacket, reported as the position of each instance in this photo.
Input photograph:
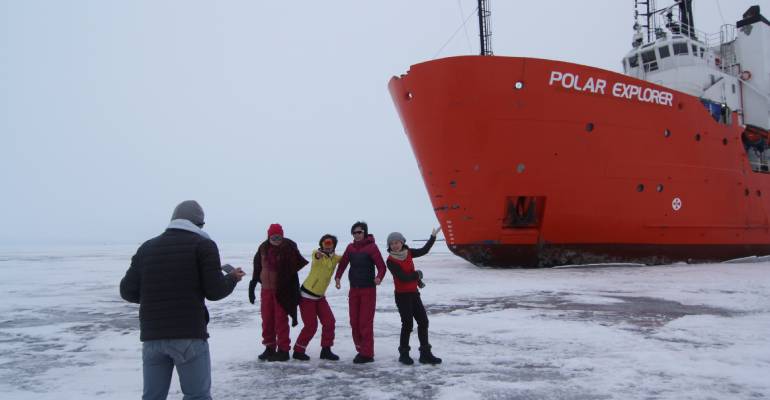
(170, 277)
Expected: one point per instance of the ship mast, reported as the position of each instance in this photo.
(485, 30)
(686, 16)
(647, 10)
(648, 13)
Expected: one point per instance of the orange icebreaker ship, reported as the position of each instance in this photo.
(532, 162)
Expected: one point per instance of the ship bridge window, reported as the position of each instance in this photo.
(664, 52)
(653, 66)
(694, 50)
(633, 61)
(648, 56)
(680, 48)
(702, 51)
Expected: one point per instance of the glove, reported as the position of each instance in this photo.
(420, 283)
(252, 285)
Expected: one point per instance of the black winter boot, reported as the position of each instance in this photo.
(426, 357)
(361, 359)
(269, 352)
(326, 354)
(279, 356)
(404, 356)
(300, 356)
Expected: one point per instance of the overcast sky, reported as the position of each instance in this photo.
(112, 112)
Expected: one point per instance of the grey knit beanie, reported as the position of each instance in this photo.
(396, 236)
(189, 210)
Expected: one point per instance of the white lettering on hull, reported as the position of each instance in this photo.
(570, 81)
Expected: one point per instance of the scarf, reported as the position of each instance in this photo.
(399, 255)
(186, 225)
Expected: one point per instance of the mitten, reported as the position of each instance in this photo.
(252, 285)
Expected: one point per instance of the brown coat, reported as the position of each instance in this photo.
(286, 283)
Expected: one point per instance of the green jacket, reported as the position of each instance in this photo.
(321, 271)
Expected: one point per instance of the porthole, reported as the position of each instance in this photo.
(746, 192)
(640, 188)
(759, 193)
(697, 137)
(724, 141)
(659, 188)
(520, 168)
(518, 85)
(589, 127)
(409, 96)
(666, 133)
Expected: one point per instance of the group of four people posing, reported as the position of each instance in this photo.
(277, 262)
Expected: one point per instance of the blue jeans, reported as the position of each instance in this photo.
(193, 365)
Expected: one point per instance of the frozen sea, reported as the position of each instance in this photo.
(624, 332)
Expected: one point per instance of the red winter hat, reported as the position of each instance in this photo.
(275, 229)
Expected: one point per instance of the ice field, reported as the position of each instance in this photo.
(663, 332)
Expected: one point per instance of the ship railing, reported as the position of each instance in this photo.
(670, 19)
(726, 34)
(758, 163)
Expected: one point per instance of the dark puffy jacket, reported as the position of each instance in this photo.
(363, 256)
(170, 276)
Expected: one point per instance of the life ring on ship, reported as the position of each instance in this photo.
(745, 75)
(752, 137)
(755, 139)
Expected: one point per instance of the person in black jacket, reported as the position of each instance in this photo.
(170, 277)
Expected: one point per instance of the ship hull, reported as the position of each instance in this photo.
(534, 162)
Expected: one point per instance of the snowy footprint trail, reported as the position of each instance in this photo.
(630, 332)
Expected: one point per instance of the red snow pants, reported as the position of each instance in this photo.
(313, 310)
(275, 322)
(362, 302)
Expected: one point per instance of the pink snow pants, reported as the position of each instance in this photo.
(362, 302)
(275, 322)
(312, 311)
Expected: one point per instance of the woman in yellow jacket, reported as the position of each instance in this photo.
(313, 305)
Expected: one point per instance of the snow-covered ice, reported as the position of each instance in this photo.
(627, 332)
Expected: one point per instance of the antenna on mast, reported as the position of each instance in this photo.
(485, 30)
(645, 9)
